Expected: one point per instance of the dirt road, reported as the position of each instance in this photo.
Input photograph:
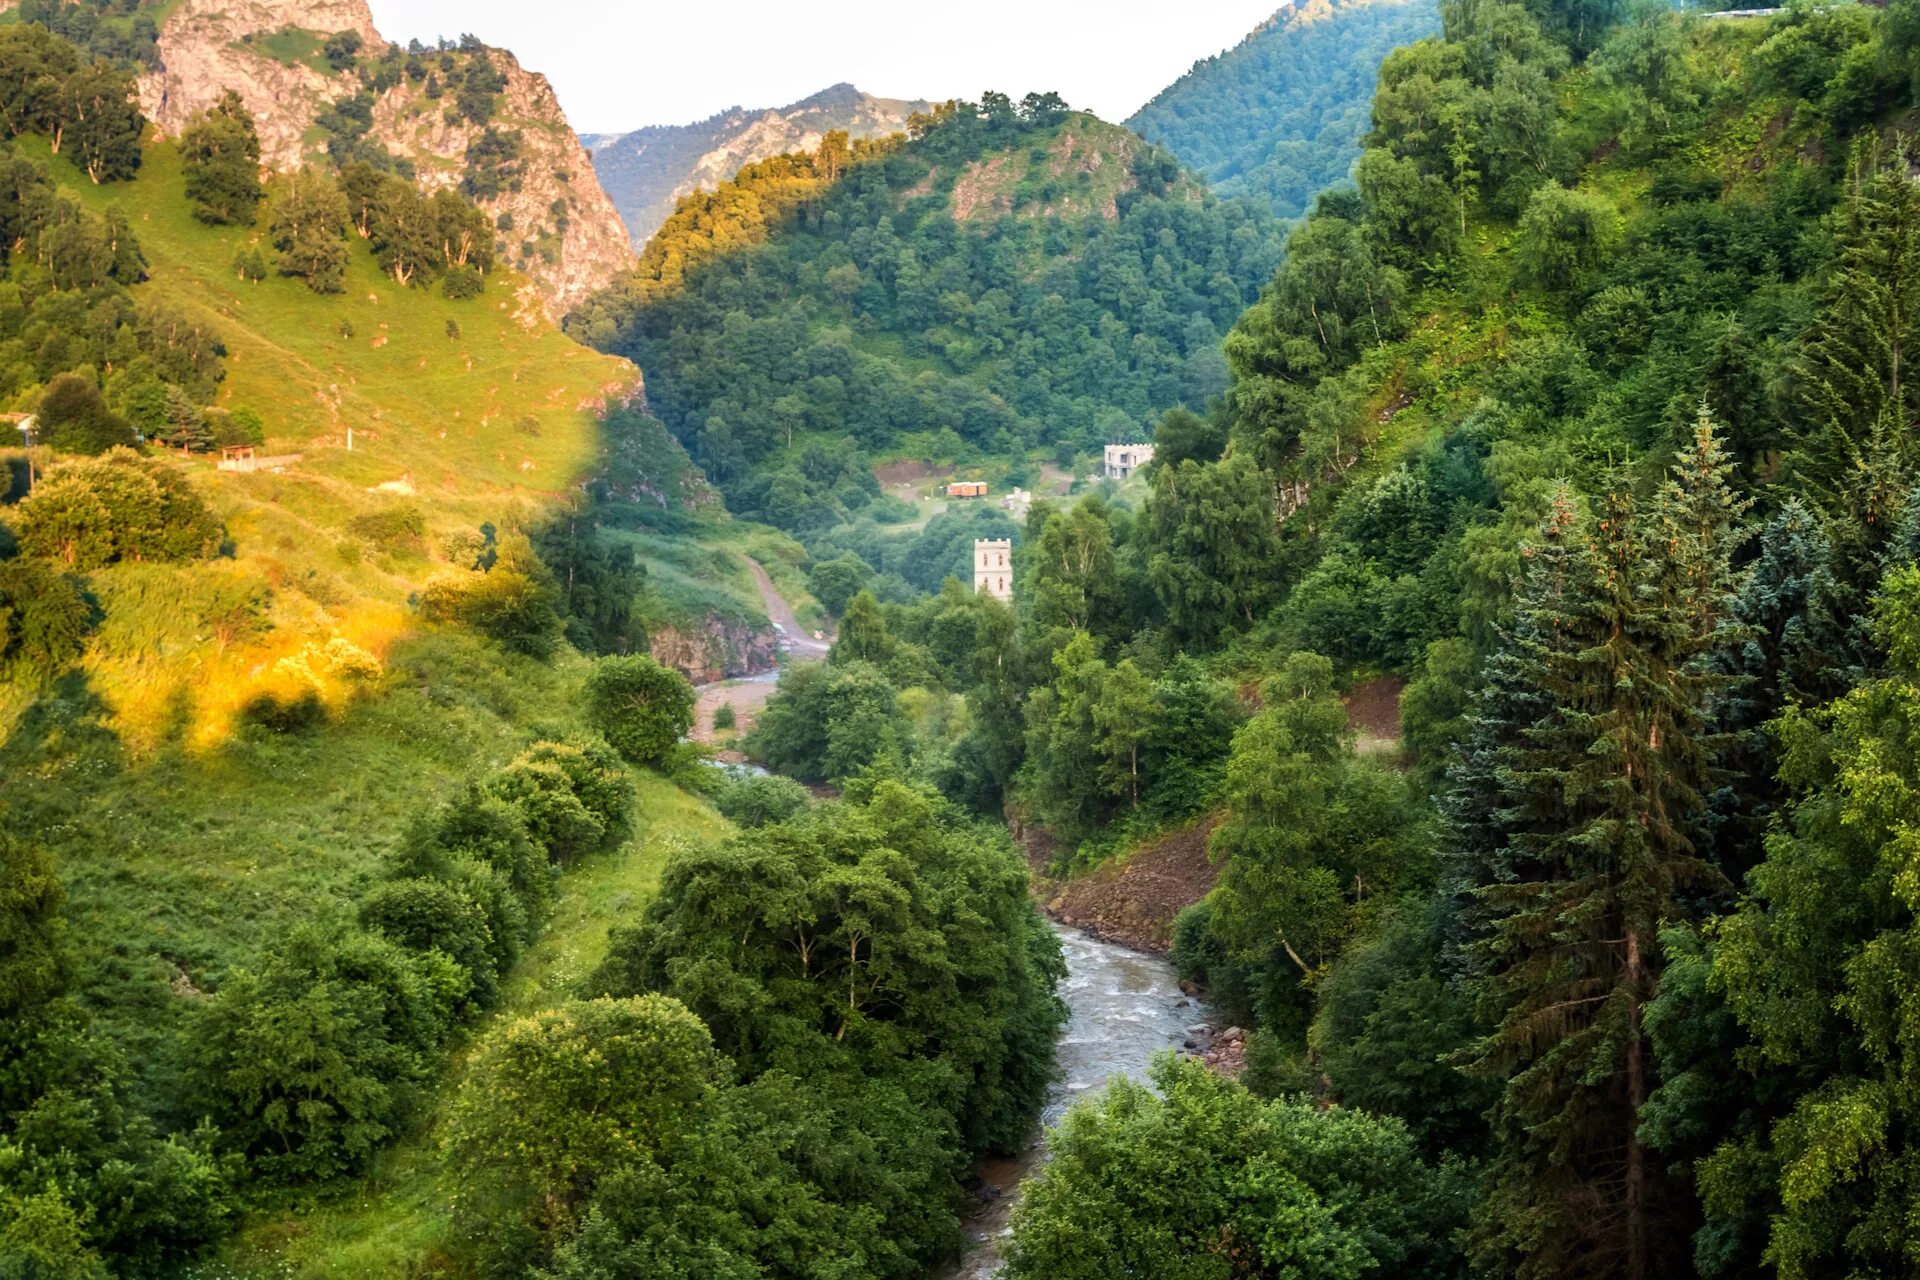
(747, 696)
(798, 643)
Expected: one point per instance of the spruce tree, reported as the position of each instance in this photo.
(186, 426)
(1605, 800)
(1509, 700)
(1854, 381)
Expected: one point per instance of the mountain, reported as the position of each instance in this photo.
(649, 170)
(1014, 281)
(1280, 116)
(469, 117)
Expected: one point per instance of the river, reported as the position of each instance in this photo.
(1123, 1008)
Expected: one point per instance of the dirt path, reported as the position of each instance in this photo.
(747, 696)
(798, 643)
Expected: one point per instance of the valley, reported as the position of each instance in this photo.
(1319, 682)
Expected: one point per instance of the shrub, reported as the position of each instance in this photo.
(478, 824)
(44, 620)
(594, 772)
(1351, 1186)
(237, 426)
(558, 1101)
(463, 280)
(502, 604)
(556, 818)
(1563, 235)
(117, 507)
(425, 915)
(640, 706)
(394, 529)
(724, 717)
(310, 1061)
(755, 801)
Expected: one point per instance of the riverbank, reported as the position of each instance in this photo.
(1132, 901)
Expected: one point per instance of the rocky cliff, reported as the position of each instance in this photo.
(648, 171)
(558, 225)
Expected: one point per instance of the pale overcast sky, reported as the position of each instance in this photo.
(619, 66)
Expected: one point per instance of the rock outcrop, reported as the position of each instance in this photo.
(648, 171)
(559, 226)
(715, 650)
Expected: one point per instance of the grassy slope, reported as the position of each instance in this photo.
(394, 1224)
(188, 844)
(492, 426)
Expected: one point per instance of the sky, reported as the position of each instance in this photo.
(618, 66)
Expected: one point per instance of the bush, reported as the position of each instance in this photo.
(117, 507)
(503, 604)
(594, 772)
(394, 529)
(640, 706)
(312, 1061)
(555, 1102)
(480, 825)
(236, 426)
(461, 281)
(44, 621)
(572, 798)
(724, 716)
(429, 915)
(1563, 235)
(756, 801)
(1350, 1187)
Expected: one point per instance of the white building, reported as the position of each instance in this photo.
(1125, 459)
(993, 567)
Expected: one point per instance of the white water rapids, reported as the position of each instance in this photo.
(1123, 1009)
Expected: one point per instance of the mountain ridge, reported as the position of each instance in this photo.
(1280, 115)
(647, 171)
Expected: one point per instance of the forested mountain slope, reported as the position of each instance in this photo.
(1585, 410)
(648, 171)
(1281, 116)
(1010, 278)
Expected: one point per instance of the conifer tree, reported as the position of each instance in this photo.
(1789, 647)
(1606, 801)
(186, 428)
(1509, 700)
(1855, 376)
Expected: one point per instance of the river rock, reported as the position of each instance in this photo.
(1232, 1034)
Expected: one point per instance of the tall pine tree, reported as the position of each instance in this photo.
(1604, 800)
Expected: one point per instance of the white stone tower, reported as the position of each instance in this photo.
(993, 567)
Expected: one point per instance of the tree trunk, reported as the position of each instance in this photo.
(1636, 1188)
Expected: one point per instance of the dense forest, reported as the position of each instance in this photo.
(1012, 279)
(1583, 410)
(365, 910)
(1281, 116)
